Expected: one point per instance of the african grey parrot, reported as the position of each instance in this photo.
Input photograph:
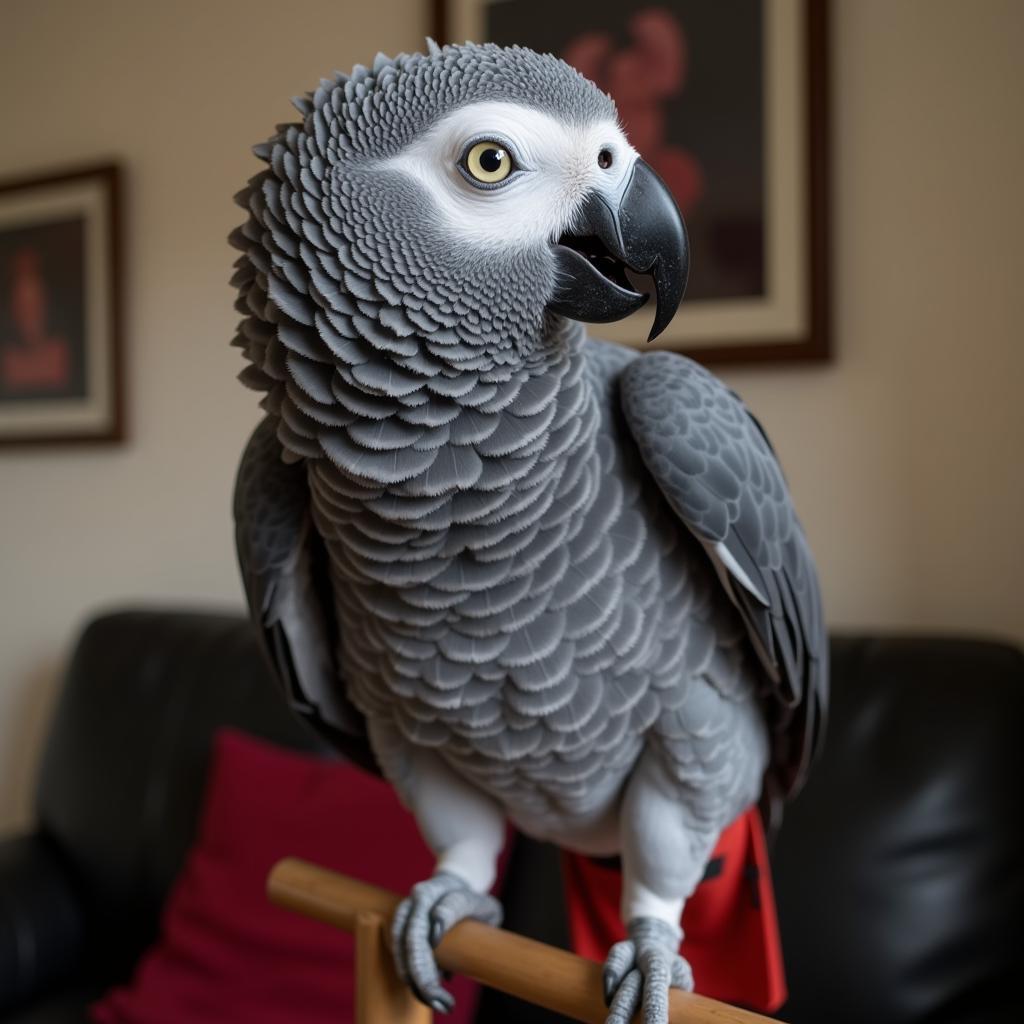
(525, 575)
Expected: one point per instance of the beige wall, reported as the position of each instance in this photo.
(904, 454)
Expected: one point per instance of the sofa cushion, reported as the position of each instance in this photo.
(127, 758)
(66, 1005)
(225, 953)
(898, 870)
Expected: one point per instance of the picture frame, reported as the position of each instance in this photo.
(60, 308)
(729, 103)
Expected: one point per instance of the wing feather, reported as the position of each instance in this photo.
(715, 466)
(283, 561)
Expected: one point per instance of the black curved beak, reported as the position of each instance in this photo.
(643, 233)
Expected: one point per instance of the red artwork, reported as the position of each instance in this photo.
(642, 77)
(34, 360)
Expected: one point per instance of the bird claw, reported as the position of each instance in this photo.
(640, 970)
(422, 920)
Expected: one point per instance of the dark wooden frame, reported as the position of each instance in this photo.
(816, 344)
(109, 175)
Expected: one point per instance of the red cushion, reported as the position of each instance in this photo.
(225, 954)
(729, 923)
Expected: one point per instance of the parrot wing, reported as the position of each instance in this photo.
(714, 465)
(283, 561)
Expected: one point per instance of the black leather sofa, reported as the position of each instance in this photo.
(899, 871)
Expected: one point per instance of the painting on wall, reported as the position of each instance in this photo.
(59, 297)
(727, 103)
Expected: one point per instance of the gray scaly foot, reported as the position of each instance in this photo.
(420, 922)
(640, 970)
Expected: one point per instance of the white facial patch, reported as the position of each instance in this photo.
(557, 167)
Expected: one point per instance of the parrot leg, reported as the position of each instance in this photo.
(664, 852)
(642, 968)
(421, 921)
(466, 830)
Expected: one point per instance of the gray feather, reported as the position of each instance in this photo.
(714, 465)
(276, 548)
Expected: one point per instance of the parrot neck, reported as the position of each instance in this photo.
(466, 483)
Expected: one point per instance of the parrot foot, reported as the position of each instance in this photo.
(640, 970)
(421, 921)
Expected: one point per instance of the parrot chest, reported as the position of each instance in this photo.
(533, 634)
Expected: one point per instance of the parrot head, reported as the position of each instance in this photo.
(469, 192)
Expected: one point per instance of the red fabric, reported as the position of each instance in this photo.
(225, 954)
(731, 931)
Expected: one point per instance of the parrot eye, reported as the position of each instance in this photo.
(487, 163)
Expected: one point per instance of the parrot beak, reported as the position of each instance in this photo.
(644, 233)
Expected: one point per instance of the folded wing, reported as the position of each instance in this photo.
(714, 465)
(283, 567)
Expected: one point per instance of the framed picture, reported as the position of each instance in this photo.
(727, 101)
(60, 371)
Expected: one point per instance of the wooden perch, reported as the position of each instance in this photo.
(529, 970)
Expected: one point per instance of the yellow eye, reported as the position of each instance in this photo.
(489, 162)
